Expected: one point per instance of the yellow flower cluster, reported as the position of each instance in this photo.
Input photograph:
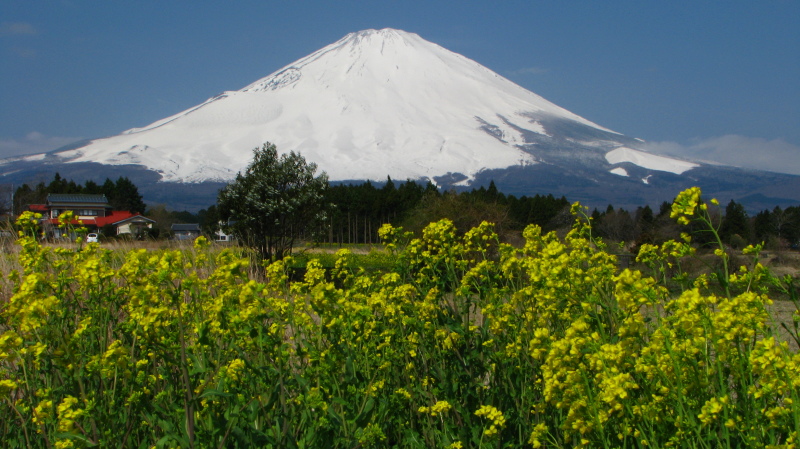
(7, 386)
(67, 414)
(685, 204)
(43, 411)
(711, 409)
(439, 408)
(494, 416)
(113, 360)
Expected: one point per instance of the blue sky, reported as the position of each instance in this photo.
(708, 80)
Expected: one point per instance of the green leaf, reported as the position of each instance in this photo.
(214, 392)
(367, 408)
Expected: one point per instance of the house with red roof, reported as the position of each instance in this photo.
(92, 212)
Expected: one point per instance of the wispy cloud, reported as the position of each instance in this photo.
(529, 71)
(17, 29)
(775, 155)
(34, 142)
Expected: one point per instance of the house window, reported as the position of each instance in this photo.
(54, 213)
(88, 212)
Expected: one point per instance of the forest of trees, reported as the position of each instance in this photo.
(355, 212)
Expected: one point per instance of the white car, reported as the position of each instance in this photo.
(91, 238)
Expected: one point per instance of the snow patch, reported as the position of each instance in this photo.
(35, 157)
(619, 171)
(648, 161)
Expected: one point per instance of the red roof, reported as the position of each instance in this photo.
(114, 217)
(42, 208)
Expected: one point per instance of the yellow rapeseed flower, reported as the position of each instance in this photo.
(495, 417)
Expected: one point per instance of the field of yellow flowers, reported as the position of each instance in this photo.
(466, 343)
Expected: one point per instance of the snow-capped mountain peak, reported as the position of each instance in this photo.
(375, 103)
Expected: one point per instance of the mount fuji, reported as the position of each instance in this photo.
(381, 103)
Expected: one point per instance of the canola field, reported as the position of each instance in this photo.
(466, 343)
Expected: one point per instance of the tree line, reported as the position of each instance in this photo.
(777, 228)
(353, 213)
(357, 211)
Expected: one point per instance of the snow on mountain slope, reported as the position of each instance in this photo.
(619, 171)
(647, 160)
(373, 104)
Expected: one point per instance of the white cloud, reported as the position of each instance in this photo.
(775, 155)
(17, 29)
(34, 142)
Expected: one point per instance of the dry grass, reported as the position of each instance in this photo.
(782, 314)
(782, 263)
